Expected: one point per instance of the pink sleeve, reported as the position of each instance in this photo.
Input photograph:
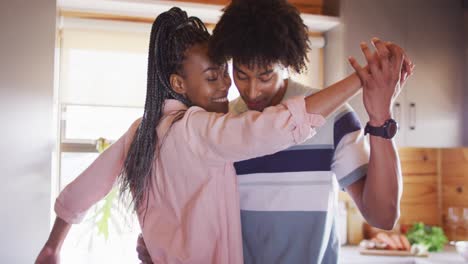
(94, 183)
(230, 137)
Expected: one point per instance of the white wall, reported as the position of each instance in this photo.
(334, 68)
(27, 31)
(465, 110)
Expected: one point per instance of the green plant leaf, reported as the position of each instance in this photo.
(431, 236)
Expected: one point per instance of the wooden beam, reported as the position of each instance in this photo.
(115, 17)
(104, 16)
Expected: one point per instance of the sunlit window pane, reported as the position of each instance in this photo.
(93, 122)
(105, 78)
(72, 164)
(84, 243)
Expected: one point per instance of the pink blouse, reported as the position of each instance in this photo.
(193, 211)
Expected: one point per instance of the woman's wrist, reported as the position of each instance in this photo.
(53, 246)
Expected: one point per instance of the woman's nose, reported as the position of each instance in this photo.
(226, 82)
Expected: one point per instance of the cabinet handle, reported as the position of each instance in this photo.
(412, 116)
(397, 112)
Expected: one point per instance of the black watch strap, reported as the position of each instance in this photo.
(387, 130)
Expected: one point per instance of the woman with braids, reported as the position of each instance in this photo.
(177, 160)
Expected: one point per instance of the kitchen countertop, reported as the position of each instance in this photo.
(351, 255)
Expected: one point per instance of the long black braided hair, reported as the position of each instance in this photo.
(172, 33)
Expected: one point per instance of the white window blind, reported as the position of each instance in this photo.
(103, 63)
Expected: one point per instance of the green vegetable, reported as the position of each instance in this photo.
(431, 236)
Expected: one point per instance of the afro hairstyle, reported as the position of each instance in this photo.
(261, 32)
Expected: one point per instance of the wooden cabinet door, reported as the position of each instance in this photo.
(421, 200)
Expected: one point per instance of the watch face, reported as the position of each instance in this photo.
(391, 129)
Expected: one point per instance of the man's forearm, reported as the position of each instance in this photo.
(378, 195)
(333, 97)
(383, 184)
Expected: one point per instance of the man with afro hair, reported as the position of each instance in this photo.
(288, 200)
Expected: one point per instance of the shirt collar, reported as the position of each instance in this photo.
(172, 105)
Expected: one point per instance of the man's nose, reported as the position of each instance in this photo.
(252, 92)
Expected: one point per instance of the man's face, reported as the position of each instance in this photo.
(259, 87)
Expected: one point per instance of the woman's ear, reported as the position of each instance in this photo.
(178, 84)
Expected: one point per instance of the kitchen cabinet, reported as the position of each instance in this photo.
(429, 109)
(454, 172)
(420, 200)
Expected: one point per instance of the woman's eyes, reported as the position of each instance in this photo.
(212, 76)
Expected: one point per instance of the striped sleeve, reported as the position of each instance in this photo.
(351, 156)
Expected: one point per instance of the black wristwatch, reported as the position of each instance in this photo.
(388, 130)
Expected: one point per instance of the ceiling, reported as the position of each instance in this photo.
(207, 10)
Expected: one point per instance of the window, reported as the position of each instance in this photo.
(84, 122)
(101, 92)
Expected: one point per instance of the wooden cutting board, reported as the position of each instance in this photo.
(384, 252)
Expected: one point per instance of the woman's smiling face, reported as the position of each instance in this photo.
(203, 82)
